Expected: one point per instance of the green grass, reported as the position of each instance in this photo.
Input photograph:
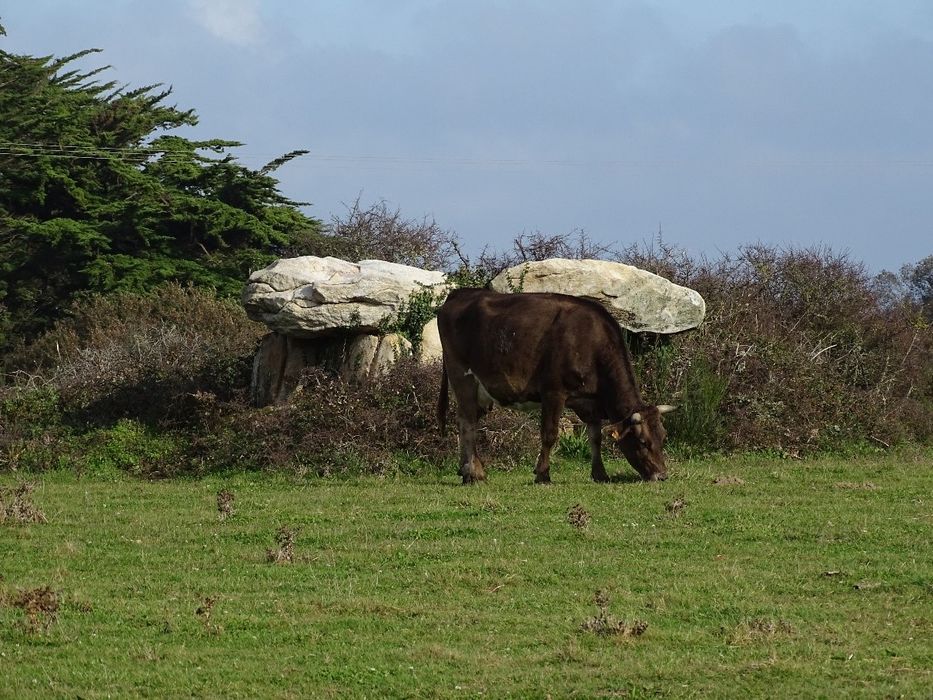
(798, 579)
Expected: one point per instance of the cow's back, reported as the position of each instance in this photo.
(519, 345)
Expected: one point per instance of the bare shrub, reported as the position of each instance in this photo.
(381, 233)
(332, 427)
(664, 259)
(527, 247)
(797, 353)
(574, 245)
(914, 284)
(169, 346)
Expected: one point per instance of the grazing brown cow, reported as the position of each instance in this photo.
(550, 349)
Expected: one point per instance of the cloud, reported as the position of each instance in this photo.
(235, 21)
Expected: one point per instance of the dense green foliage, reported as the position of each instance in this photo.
(745, 578)
(97, 196)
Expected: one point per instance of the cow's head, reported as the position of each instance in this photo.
(641, 439)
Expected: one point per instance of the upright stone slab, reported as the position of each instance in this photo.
(430, 350)
(369, 356)
(281, 360)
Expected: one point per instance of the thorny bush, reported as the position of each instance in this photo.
(332, 427)
(801, 350)
(143, 356)
(797, 353)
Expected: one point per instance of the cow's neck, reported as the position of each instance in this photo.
(626, 398)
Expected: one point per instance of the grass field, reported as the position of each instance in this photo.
(738, 577)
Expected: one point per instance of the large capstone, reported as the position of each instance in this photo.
(308, 296)
(639, 300)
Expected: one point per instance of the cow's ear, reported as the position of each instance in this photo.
(617, 430)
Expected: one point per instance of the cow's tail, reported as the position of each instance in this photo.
(443, 400)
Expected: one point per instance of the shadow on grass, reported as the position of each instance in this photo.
(626, 477)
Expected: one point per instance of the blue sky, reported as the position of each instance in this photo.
(795, 123)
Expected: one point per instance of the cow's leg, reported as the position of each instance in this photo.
(471, 468)
(551, 409)
(595, 434)
(469, 413)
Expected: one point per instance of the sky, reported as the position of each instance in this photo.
(718, 123)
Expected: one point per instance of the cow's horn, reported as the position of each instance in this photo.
(635, 418)
(666, 408)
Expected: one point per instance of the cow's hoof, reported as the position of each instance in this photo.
(542, 478)
(600, 478)
(469, 479)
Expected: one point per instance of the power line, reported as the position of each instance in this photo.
(140, 154)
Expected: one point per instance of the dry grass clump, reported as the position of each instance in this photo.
(225, 500)
(39, 606)
(203, 614)
(605, 624)
(851, 485)
(758, 629)
(676, 507)
(284, 552)
(578, 516)
(16, 504)
(729, 481)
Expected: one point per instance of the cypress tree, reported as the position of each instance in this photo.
(96, 195)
